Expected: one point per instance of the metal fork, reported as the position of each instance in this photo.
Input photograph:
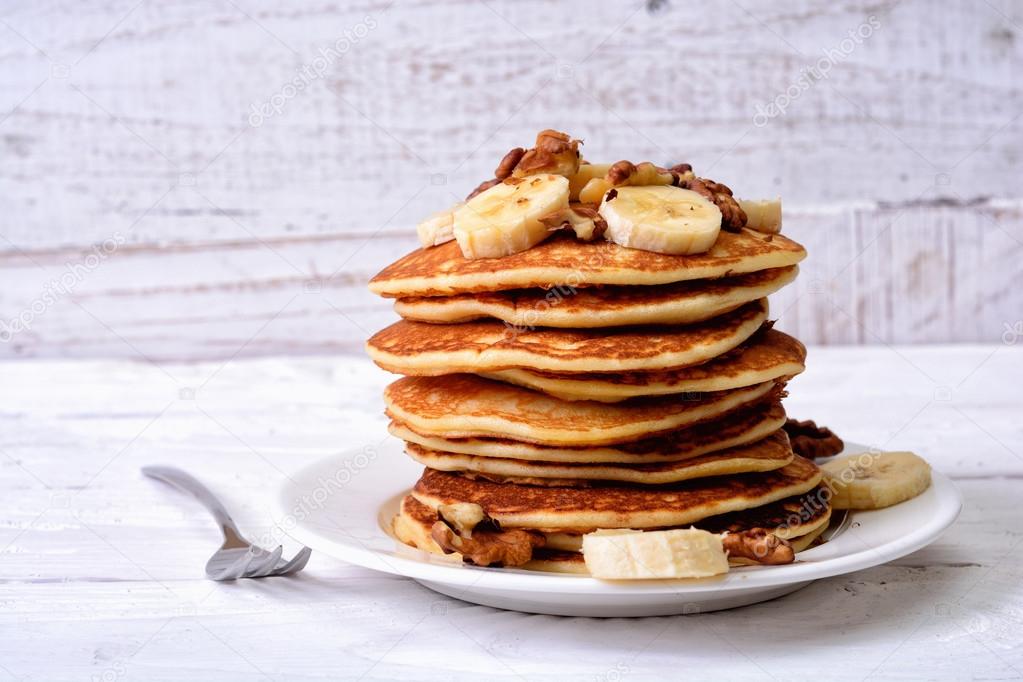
(237, 557)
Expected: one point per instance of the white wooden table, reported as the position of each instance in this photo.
(101, 569)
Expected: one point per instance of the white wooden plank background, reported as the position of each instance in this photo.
(133, 121)
(101, 569)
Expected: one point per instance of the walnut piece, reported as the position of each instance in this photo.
(733, 218)
(508, 163)
(555, 152)
(643, 174)
(620, 172)
(812, 441)
(489, 547)
(758, 546)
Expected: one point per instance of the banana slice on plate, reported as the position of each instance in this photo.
(507, 218)
(661, 218)
(634, 555)
(875, 480)
(762, 215)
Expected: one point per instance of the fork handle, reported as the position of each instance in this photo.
(190, 484)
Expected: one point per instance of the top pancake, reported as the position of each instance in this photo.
(564, 260)
(604, 306)
(617, 505)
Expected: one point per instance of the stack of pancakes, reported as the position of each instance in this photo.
(581, 385)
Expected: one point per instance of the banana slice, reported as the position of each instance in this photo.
(586, 172)
(875, 480)
(507, 218)
(634, 555)
(593, 191)
(438, 228)
(662, 219)
(762, 215)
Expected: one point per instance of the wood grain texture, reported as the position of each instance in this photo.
(148, 123)
(109, 564)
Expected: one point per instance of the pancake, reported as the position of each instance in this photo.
(768, 454)
(792, 519)
(617, 506)
(562, 551)
(742, 426)
(789, 518)
(612, 306)
(767, 355)
(564, 260)
(465, 405)
(423, 349)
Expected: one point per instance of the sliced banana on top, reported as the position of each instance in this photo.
(662, 218)
(762, 215)
(873, 480)
(586, 172)
(507, 218)
(438, 228)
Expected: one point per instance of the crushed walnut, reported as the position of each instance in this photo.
(643, 174)
(733, 218)
(466, 529)
(758, 546)
(555, 152)
(508, 163)
(812, 441)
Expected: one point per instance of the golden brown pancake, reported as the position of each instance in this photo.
(563, 260)
(742, 426)
(792, 518)
(788, 518)
(611, 306)
(767, 454)
(617, 505)
(423, 349)
(465, 405)
(767, 355)
(561, 552)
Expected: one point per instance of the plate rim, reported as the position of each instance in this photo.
(429, 568)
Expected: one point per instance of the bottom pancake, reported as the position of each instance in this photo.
(798, 519)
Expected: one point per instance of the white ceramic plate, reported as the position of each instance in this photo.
(342, 506)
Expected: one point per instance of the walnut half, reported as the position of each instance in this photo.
(489, 547)
(758, 546)
(733, 218)
(465, 528)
